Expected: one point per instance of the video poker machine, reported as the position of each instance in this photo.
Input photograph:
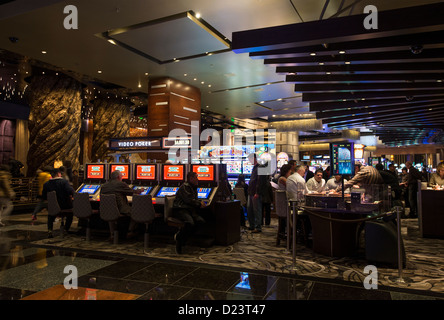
(207, 175)
(95, 175)
(171, 178)
(145, 176)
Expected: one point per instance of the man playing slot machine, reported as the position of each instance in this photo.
(186, 207)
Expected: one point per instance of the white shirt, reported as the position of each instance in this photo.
(332, 185)
(314, 186)
(295, 186)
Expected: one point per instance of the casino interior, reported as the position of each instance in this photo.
(159, 89)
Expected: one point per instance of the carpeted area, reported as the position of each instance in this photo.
(258, 251)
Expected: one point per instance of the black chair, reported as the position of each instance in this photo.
(55, 210)
(110, 213)
(142, 211)
(168, 214)
(82, 209)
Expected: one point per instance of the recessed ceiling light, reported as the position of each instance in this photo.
(342, 52)
(321, 63)
(44, 52)
(112, 41)
(99, 71)
(209, 86)
(185, 74)
(274, 115)
(198, 15)
(347, 62)
(146, 73)
(313, 53)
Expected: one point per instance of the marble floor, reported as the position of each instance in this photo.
(33, 267)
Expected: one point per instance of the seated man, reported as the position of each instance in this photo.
(64, 192)
(296, 187)
(334, 182)
(316, 184)
(185, 208)
(121, 189)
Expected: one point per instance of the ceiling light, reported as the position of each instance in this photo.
(198, 15)
(146, 73)
(342, 52)
(274, 115)
(347, 62)
(44, 52)
(112, 41)
(99, 71)
(321, 63)
(313, 53)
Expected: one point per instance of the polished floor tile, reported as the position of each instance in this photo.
(205, 278)
(290, 289)
(202, 294)
(116, 285)
(60, 293)
(166, 292)
(326, 291)
(166, 273)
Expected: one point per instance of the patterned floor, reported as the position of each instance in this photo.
(258, 252)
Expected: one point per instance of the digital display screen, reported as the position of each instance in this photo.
(167, 191)
(232, 183)
(204, 172)
(146, 191)
(145, 171)
(173, 172)
(123, 168)
(234, 167)
(247, 167)
(203, 193)
(244, 282)
(89, 188)
(95, 171)
(373, 161)
(342, 159)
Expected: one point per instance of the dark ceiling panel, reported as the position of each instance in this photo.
(354, 78)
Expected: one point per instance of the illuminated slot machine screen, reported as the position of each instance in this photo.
(173, 172)
(234, 167)
(342, 158)
(232, 182)
(203, 193)
(247, 167)
(146, 172)
(145, 191)
(204, 172)
(89, 188)
(166, 191)
(123, 168)
(95, 171)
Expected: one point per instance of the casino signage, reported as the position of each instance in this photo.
(134, 143)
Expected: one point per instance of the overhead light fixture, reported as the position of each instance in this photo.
(341, 52)
(347, 62)
(99, 71)
(313, 53)
(44, 52)
(198, 15)
(112, 42)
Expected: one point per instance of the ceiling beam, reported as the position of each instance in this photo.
(332, 96)
(367, 77)
(408, 20)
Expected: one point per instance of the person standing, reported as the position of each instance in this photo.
(266, 193)
(42, 178)
(6, 193)
(254, 202)
(412, 187)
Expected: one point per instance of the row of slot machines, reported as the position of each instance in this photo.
(156, 180)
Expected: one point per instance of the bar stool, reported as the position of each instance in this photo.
(82, 209)
(142, 211)
(110, 213)
(55, 210)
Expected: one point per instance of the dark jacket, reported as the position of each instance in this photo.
(121, 190)
(254, 181)
(63, 190)
(186, 197)
(264, 189)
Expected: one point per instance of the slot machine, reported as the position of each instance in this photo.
(95, 175)
(171, 178)
(207, 187)
(124, 168)
(145, 176)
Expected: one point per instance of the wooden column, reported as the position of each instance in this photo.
(111, 120)
(172, 104)
(54, 120)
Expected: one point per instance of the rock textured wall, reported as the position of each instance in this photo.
(54, 121)
(111, 120)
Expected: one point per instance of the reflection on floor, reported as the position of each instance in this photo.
(35, 268)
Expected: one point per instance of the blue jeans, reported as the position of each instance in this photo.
(254, 212)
